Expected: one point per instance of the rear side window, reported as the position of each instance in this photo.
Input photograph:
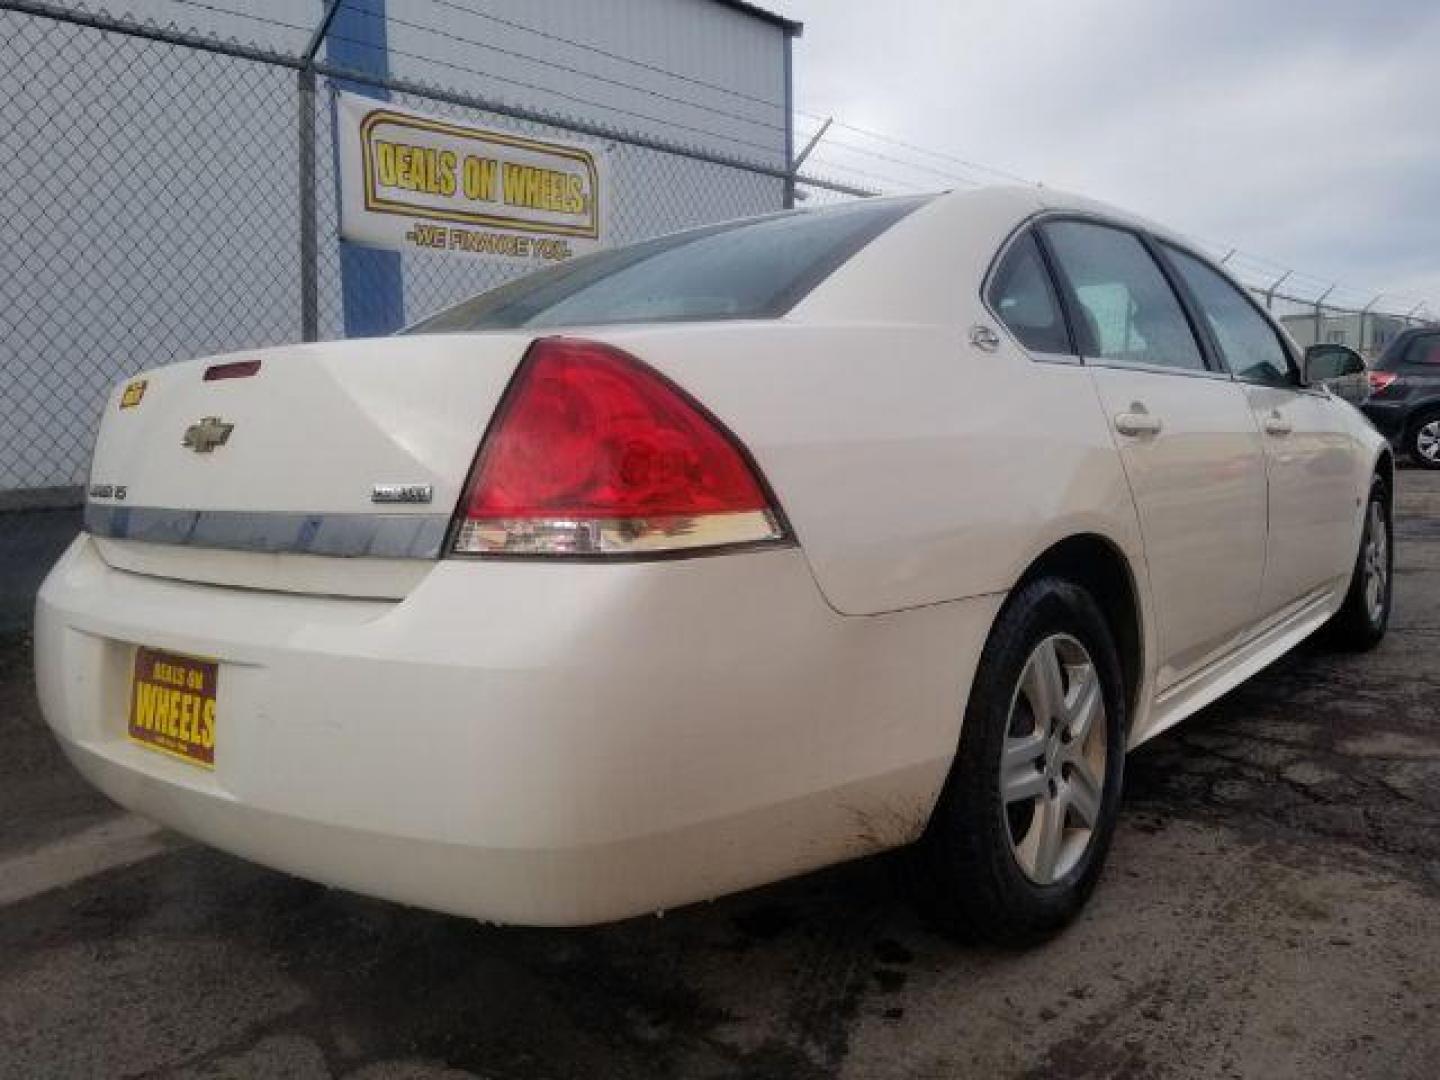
(1022, 295)
(1249, 344)
(758, 268)
(1424, 350)
(1127, 312)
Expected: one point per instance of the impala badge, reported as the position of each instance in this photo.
(206, 434)
(402, 493)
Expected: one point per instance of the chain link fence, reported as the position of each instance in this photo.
(125, 252)
(1365, 326)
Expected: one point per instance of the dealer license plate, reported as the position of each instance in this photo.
(172, 705)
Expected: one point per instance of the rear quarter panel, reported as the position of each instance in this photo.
(913, 467)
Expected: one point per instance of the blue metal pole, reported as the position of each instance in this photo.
(372, 283)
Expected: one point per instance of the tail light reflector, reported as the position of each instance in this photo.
(1379, 380)
(594, 453)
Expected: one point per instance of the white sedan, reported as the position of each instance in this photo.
(702, 562)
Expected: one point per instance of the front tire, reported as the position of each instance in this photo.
(1021, 830)
(1361, 622)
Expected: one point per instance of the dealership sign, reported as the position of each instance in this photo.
(415, 182)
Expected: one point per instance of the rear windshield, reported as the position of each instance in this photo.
(1412, 348)
(753, 269)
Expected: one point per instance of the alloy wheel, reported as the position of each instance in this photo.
(1052, 766)
(1427, 441)
(1376, 560)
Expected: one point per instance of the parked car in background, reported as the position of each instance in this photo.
(1404, 395)
(694, 564)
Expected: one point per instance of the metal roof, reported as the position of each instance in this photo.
(790, 26)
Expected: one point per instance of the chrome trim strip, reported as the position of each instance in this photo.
(389, 536)
(1067, 359)
(1161, 369)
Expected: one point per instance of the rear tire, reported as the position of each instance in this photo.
(1423, 440)
(1020, 833)
(1360, 623)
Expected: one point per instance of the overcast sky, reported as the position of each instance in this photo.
(1306, 132)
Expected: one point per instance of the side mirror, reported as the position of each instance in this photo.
(1326, 362)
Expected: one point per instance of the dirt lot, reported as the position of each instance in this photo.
(1272, 908)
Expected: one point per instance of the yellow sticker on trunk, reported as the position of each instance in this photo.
(132, 394)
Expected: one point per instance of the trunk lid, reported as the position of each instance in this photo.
(287, 461)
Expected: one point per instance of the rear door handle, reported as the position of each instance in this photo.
(1275, 424)
(1137, 422)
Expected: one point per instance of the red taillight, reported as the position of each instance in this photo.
(1379, 380)
(592, 453)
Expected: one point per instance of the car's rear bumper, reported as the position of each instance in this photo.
(526, 742)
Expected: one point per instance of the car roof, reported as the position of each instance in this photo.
(909, 272)
(1025, 198)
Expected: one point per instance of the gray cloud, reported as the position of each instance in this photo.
(1305, 132)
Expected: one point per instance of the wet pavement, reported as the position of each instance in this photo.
(1271, 909)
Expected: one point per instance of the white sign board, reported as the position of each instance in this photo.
(414, 182)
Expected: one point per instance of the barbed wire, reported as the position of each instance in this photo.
(605, 79)
(974, 166)
(889, 185)
(609, 55)
(1256, 271)
(390, 50)
(919, 165)
(248, 16)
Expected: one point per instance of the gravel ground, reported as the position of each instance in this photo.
(1271, 909)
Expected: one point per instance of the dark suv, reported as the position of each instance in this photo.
(1404, 398)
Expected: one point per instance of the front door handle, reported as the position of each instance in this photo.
(1137, 421)
(1275, 424)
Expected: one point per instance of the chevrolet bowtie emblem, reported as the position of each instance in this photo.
(204, 435)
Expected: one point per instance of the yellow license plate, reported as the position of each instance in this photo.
(172, 705)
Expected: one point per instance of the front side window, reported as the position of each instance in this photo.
(1247, 341)
(1022, 295)
(753, 269)
(1127, 311)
